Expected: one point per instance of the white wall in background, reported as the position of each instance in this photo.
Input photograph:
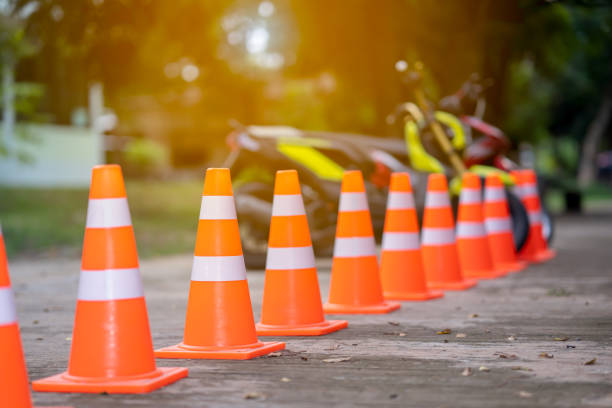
(58, 156)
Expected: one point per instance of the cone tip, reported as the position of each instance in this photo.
(287, 182)
(493, 180)
(352, 182)
(107, 182)
(470, 180)
(218, 182)
(400, 182)
(437, 182)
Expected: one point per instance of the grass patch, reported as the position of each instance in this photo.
(164, 214)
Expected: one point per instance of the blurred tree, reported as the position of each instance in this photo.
(14, 45)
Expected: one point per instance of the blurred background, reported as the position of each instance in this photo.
(157, 86)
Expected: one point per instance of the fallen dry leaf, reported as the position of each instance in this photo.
(473, 315)
(466, 372)
(504, 355)
(461, 335)
(401, 334)
(562, 338)
(511, 338)
(445, 331)
(285, 379)
(304, 358)
(394, 323)
(591, 362)
(483, 368)
(519, 368)
(275, 354)
(546, 355)
(253, 395)
(525, 394)
(336, 360)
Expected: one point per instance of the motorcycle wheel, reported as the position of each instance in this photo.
(254, 208)
(520, 220)
(548, 226)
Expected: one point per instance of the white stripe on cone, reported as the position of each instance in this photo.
(8, 314)
(108, 213)
(438, 236)
(437, 199)
(218, 268)
(217, 208)
(535, 218)
(498, 225)
(290, 204)
(495, 194)
(290, 258)
(530, 191)
(469, 196)
(353, 202)
(110, 284)
(354, 247)
(398, 241)
(470, 229)
(400, 201)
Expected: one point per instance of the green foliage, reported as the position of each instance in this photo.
(144, 156)
(164, 215)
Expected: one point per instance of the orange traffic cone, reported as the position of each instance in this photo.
(472, 243)
(401, 265)
(112, 349)
(440, 257)
(535, 249)
(499, 226)
(292, 300)
(219, 322)
(355, 283)
(14, 388)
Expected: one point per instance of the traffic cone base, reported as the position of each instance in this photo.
(243, 352)
(308, 320)
(540, 256)
(404, 289)
(201, 341)
(436, 259)
(358, 275)
(467, 247)
(130, 385)
(379, 308)
(503, 259)
(316, 329)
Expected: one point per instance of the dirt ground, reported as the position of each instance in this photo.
(498, 331)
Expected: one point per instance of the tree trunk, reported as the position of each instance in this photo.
(595, 132)
(8, 116)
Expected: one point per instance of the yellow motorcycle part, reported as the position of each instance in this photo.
(312, 159)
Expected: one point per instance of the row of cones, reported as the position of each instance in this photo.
(112, 349)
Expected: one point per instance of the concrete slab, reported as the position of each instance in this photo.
(397, 359)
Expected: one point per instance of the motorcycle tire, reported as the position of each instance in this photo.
(548, 226)
(520, 220)
(254, 208)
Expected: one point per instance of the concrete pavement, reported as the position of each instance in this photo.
(499, 331)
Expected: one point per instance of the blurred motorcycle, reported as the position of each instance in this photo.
(321, 158)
